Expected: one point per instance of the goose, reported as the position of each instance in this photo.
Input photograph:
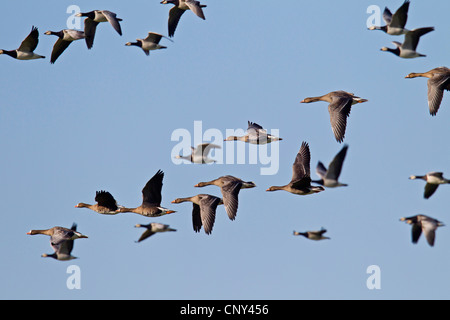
(230, 187)
(329, 177)
(151, 199)
(58, 235)
(153, 228)
(93, 18)
(407, 49)
(27, 47)
(199, 155)
(106, 204)
(256, 134)
(301, 178)
(395, 23)
(422, 223)
(313, 235)
(64, 251)
(65, 38)
(340, 104)
(151, 42)
(439, 80)
(433, 179)
(180, 7)
(203, 211)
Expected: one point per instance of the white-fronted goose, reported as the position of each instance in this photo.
(180, 7)
(199, 155)
(151, 42)
(106, 204)
(230, 187)
(93, 18)
(433, 179)
(65, 249)
(65, 38)
(395, 23)
(312, 235)
(340, 104)
(256, 134)
(438, 81)
(422, 223)
(330, 177)
(151, 199)
(153, 228)
(301, 175)
(27, 47)
(58, 235)
(203, 211)
(407, 49)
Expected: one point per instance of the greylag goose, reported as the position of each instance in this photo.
(93, 18)
(153, 228)
(150, 43)
(312, 235)
(27, 47)
(180, 7)
(340, 104)
(407, 49)
(301, 176)
(199, 155)
(395, 23)
(151, 199)
(58, 235)
(433, 179)
(230, 187)
(65, 249)
(256, 134)
(330, 177)
(65, 38)
(438, 81)
(422, 223)
(106, 204)
(203, 211)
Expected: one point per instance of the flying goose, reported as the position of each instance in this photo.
(93, 18)
(65, 249)
(312, 235)
(433, 179)
(395, 23)
(407, 49)
(106, 204)
(439, 80)
(58, 235)
(199, 155)
(180, 6)
(27, 47)
(65, 38)
(151, 199)
(256, 134)
(230, 187)
(340, 104)
(301, 178)
(203, 211)
(151, 42)
(422, 223)
(329, 177)
(153, 228)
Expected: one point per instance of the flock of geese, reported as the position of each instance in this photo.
(204, 205)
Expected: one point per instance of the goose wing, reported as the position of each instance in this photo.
(90, 27)
(436, 86)
(59, 47)
(430, 189)
(105, 199)
(195, 7)
(174, 17)
(429, 227)
(113, 20)
(300, 168)
(230, 192)
(31, 41)
(412, 38)
(400, 16)
(339, 110)
(151, 193)
(335, 167)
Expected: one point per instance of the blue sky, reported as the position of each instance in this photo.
(102, 119)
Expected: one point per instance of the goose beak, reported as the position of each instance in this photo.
(170, 211)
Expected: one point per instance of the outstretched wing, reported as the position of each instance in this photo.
(31, 41)
(151, 193)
